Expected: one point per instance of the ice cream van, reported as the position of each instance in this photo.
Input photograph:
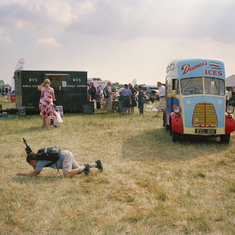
(196, 99)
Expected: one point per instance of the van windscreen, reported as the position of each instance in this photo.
(202, 85)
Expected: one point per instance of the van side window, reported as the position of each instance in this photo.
(175, 85)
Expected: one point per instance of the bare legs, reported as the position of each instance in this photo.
(46, 122)
(132, 110)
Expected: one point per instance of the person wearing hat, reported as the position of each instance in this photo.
(140, 100)
(92, 91)
(126, 99)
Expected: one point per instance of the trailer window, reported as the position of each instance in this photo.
(58, 81)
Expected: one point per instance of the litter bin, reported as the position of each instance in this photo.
(13, 98)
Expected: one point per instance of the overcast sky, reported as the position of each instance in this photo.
(116, 40)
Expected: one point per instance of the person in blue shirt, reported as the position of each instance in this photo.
(66, 162)
(126, 93)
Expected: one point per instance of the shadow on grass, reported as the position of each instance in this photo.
(37, 179)
(157, 146)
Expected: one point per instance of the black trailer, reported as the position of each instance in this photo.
(70, 89)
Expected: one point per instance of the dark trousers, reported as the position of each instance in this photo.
(98, 106)
(141, 107)
(126, 102)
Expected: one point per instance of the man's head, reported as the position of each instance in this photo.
(92, 84)
(109, 83)
(31, 159)
(159, 84)
(139, 87)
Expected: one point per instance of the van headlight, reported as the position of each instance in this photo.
(229, 109)
(176, 109)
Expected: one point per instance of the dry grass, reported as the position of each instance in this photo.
(149, 185)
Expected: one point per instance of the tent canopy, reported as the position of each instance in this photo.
(3, 84)
(230, 81)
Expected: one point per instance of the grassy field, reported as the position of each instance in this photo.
(149, 185)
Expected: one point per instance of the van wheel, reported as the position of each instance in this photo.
(170, 128)
(225, 138)
(166, 127)
(175, 136)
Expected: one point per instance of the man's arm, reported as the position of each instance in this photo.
(31, 174)
(109, 90)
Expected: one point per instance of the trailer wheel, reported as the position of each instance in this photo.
(175, 136)
(225, 138)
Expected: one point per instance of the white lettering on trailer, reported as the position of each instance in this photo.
(77, 79)
(33, 79)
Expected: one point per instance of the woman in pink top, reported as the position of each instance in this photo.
(46, 108)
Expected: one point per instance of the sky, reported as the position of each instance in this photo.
(116, 40)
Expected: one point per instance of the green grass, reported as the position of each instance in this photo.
(149, 185)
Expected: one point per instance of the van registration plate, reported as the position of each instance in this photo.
(205, 131)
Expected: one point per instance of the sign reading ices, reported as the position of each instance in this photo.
(215, 66)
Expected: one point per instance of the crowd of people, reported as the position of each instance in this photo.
(126, 101)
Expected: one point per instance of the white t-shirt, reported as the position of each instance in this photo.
(227, 98)
(161, 91)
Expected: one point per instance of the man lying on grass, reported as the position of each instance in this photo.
(66, 162)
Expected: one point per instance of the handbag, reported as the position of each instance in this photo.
(58, 121)
(130, 98)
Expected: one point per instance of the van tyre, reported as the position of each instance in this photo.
(166, 127)
(225, 138)
(175, 136)
(170, 128)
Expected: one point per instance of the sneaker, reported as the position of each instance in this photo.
(99, 165)
(87, 170)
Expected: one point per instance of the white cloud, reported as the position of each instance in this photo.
(49, 41)
(5, 38)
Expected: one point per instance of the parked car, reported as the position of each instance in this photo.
(151, 95)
